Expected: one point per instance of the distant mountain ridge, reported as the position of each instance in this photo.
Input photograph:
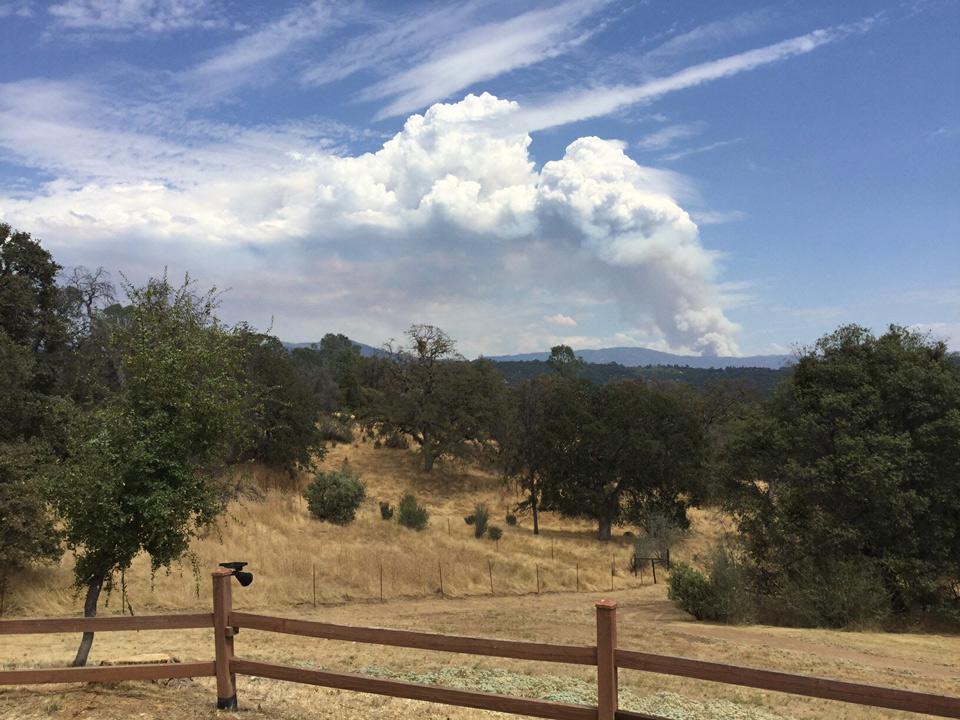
(640, 357)
(626, 356)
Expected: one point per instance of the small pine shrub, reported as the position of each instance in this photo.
(494, 533)
(386, 511)
(410, 514)
(335, 495)
(481, 516)
(511, 520)
(470, 519)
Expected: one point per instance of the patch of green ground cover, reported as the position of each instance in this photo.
(668, 705)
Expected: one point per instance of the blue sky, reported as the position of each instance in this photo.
(720, 178)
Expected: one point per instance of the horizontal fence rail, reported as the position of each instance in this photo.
(826, 688)
(605, 656)
(108, 673)
(106, 624)
(416, 691)
(544, 652)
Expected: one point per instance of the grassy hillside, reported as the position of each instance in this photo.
(271, 530)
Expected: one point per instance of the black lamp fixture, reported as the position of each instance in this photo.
(244, 578)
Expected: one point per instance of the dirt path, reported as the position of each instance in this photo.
(879, 659)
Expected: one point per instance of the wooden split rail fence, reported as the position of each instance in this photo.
(606, 656)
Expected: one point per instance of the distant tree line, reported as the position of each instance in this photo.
(762, 380)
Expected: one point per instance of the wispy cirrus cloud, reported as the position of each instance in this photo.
(701, 149)
(246, 59)
(710, 35)
(485, 52)
(387, 42)
(665, 137)
(134, 15)
(583, 104)
(717, 217)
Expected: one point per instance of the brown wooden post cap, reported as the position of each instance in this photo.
(221, 571)
(607, 605)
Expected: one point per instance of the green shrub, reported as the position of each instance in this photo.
(731, 582)
(511, 520)
(838, 593)
(481, 516)
(410, 514)
(335, 495)
(396, 440)
(334, 429)
(470, 519)
(723, 593)
(386, 511)
(690, 590)
(494, 533)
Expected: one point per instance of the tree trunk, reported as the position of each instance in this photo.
(533, 506)
(606, 529)
(89, 610)
(427, 450)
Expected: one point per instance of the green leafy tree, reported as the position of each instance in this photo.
(564, 363)
(34, 312)
(856, 458)
(618, 452)
(282, 408)
(432, 394)
(516, 437)
(336, 372)
(33, 334)
(141, 473)
(346, 366)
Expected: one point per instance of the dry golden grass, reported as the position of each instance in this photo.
(284, 547)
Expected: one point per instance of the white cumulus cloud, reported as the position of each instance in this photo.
(560, 319)
(448, 222)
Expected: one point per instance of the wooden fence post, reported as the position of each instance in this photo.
(223, 639)
(606, 660)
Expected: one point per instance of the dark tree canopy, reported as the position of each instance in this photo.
(282, 408)
(857, 457)
(32, 416)
(613, 452)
